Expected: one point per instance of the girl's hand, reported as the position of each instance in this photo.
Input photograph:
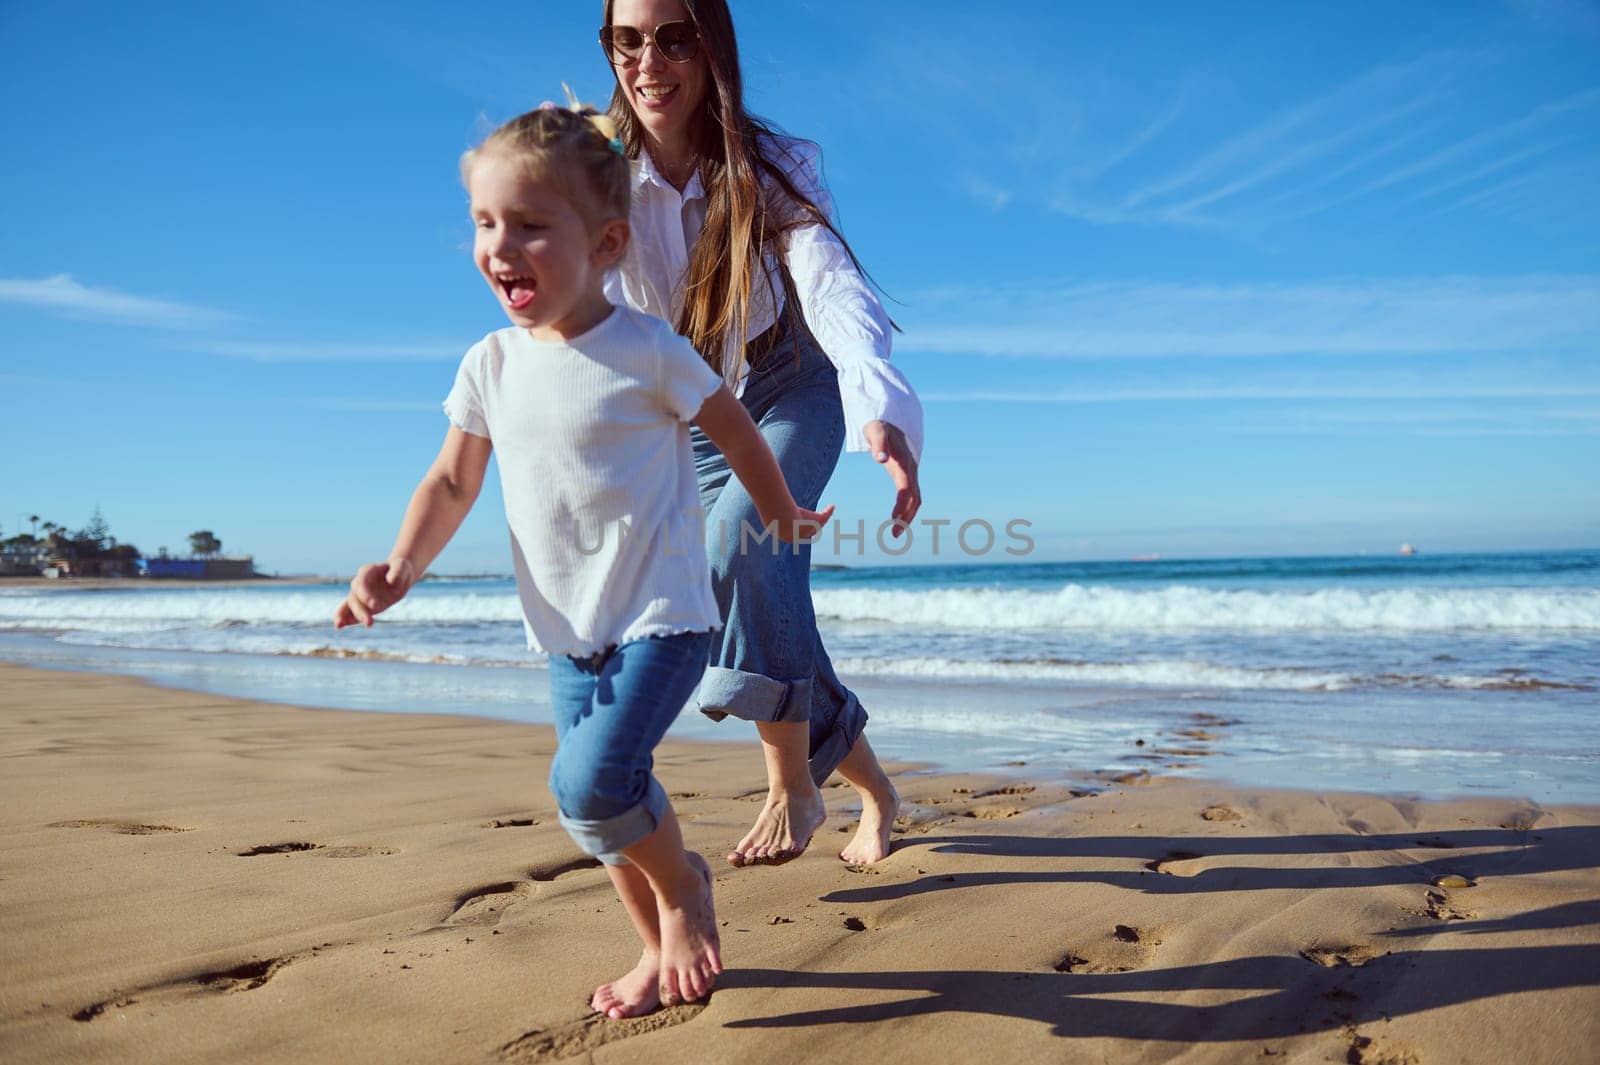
(374, 589)
(801, 526)
(888, 445)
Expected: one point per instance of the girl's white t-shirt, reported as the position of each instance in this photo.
(592, 438)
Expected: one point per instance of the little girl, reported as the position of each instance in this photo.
(588, 405)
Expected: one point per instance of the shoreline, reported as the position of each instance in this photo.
(164, 583)
(1385, 744)
(198, 877)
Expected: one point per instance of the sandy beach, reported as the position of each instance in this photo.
(188, 877)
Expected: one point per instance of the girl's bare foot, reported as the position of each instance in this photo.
(690, 948)
(633, 994)
(784, 827)
(880, 805)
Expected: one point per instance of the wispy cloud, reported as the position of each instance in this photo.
(1483, 420)
(1147, 320)
(318, 351)
(1104, 162)
(1491, 193)
(1386, 137)
(1287, 140)
(65, 295)
(1566, 17)
(33, 380)
(986, 192)
(373, 406)
(1494, 166)
(1465, 149)
(1328, 393)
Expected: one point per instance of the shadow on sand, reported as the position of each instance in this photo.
(1264, 997)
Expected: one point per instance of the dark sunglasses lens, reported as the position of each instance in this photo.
(623, 40)
(678, 41)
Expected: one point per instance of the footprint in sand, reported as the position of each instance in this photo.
(1347, 957)
(351, 850)
(995, 811)
(293, 847)
(1440, 908)
(546, 873)
(590, 1033)
(1009, 789)
(355, 850)
(1367, 1050)
(483, 907)
(1523, 820)
(917, 819)
(1221, 813)
(122, 828)
(1125, 949)
(510, 822)
(1177, 863)
(245, 977)
(1436, 843)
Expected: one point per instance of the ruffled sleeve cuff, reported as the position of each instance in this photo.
(872, 388)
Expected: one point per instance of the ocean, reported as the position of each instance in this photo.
(1426, 675)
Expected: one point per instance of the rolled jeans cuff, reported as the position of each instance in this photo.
(831, 748)
(605, 838)
(727, 692)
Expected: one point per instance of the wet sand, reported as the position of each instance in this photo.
(187, 877)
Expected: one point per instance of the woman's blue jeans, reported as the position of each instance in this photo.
(611, 710)
(768, 662)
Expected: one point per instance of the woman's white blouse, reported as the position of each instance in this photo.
(838, 306)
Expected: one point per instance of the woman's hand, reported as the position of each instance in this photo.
(801, 526)
(888, 445)
(375, 588)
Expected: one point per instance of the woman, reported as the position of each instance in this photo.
(733, 242)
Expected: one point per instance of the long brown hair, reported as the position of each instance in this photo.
(743, 221)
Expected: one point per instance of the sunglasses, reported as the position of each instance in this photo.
(678, 42)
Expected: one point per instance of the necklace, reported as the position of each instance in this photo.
(678, 173)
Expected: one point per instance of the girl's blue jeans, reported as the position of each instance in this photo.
(611, 710)
(768, 662)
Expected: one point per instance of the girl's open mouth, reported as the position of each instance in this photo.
(519, 291)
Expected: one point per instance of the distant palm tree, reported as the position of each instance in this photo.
(33, 519)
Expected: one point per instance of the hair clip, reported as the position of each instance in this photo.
(602, 122)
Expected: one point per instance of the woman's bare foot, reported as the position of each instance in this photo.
(880, 805)
(633, 994)
(784, 827)
(690, 948)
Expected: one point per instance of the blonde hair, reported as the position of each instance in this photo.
(567, 147)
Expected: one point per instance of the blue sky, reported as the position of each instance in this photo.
(1195, 280)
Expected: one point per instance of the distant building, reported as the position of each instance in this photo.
(201, 569)
(23, 560)
(110, 566)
